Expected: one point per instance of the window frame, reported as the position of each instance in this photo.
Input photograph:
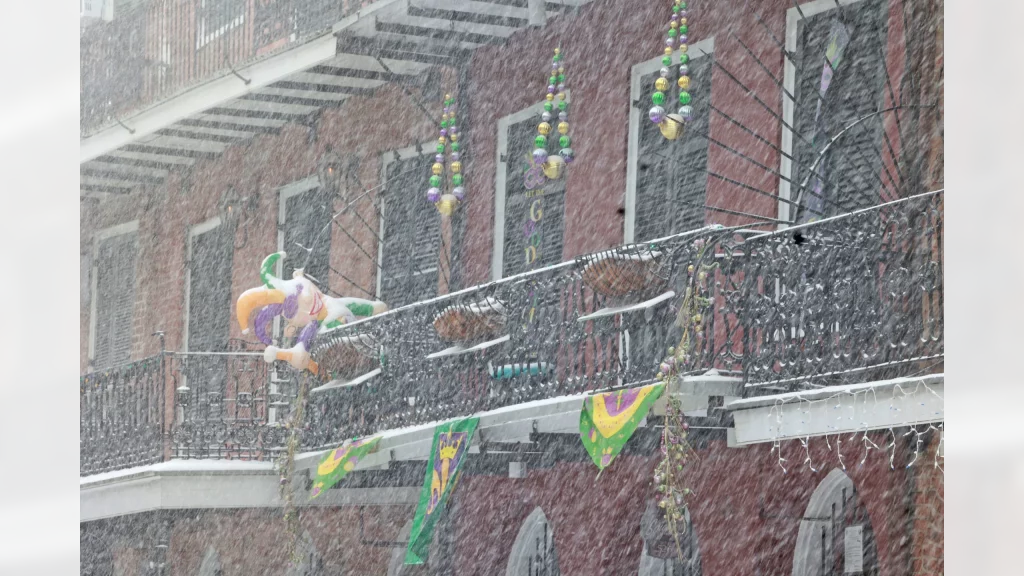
(501, 180)
(193, 231)
(793, 18)
(131, 227)
(636, 115)
(407, 153)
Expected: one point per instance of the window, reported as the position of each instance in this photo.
(837, 77)
(113, 298)
(217, 17)
(666, 180)
(208, 297)
(533, 552)
(529, 221)
(410, 231)
(304, 218)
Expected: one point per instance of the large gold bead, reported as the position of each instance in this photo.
(549, 96)
(442, 140)
(661, 84)
(668, 50)
(671, 127)
(553, 167)
(684, 82)
(437, 168)
(456, 167)
(563, 127)
(544, 128)
(447, 204)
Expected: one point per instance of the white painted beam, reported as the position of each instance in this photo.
(840, 409)
(208, 95)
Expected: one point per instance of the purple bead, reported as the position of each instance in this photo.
(563, 116)
(554, 65)
(439, 158)
(459, 193)
(540, 156)
(669, 42)
(683, 38)
(684, 70)
(656, 114)
(567, 154)
(434, 194)
(561, 87)
(675, 17)
(455, 156)
(453, 129)
(551, 88)
(444, 132)
(682, 13)
(447, 109)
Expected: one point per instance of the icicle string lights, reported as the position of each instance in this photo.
(676, 38)
(448, 140)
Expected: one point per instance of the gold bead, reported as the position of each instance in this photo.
(444, 116)
(456, 167)
(561, 70)
(455, 137)
(661, 84)
(682, 21)
(563, 127)
(682, 48)
(558, 50)
(683, 82)
(447, 96)
(674, 24)
(549, 97)
(561, 95)
(668, 50)
(442, 140)
(437, 168)
(544, 128)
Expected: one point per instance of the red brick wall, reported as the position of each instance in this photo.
(929, 515)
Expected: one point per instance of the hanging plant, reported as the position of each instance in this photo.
(676, 38)
(675, 450)
(555, 106)
(445, 201)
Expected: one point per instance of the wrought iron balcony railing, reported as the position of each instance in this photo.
(848, 299)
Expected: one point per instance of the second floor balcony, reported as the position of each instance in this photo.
(847, 300)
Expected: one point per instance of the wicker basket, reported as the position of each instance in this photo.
(623, 272)
(470, 323)
(345, 359)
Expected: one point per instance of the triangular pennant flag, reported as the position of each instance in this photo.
(447, 453)
(608, 420)
(339, 462)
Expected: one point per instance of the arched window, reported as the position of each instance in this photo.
(835, 534)
(660, 556)
(398, 554)
(210, 565)
(533, 552)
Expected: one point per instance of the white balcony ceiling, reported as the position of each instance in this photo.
(390, 41)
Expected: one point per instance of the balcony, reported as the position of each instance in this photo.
(851, 299)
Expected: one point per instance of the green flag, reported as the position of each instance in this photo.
(451, 444)
(608, 420)
(337, 463)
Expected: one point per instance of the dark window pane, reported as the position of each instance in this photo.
(115, 297)
(209, 303)
(306, 228)
(412, 234)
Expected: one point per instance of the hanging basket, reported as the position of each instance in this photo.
(470, 322)
(624, 271)
(347, 357)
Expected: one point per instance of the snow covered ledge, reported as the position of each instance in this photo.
(207, 484)
(839, 409)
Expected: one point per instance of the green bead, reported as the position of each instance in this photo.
(682, 5)
(548, 106)
(561, 77)
(435, 181)
(676, 8)
(556, 58)
(457, 179)
(658, 98)
(564, 141)
(440, 148)
(683, 58)
(455, 146)
(666, 60)
(552, 80)
(563, 105)
(541, 141)
(684, 97)
(683, 28)
(444, 123)
(672, 32)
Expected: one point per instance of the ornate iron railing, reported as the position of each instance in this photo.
(847, 299)
(158, 48)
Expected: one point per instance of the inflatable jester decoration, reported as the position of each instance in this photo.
(305, 310)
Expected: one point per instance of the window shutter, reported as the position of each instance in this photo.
(852, 166)
(534, 219)
(412, 234)
(672, 176)
(307, 215)
(115, 298)
(209, 302)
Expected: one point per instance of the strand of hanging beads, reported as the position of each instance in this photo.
(447, 141)
(554, 165)
(671, 125)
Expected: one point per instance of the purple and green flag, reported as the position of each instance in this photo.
(608, 420)
(447, 453)
(339, 462)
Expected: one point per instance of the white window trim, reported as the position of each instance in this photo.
(98, 238)
(498, 249)
(793, 19)
(386, 159)
(526, 544)
(808, 543)
(695, 50)
(192, 233)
